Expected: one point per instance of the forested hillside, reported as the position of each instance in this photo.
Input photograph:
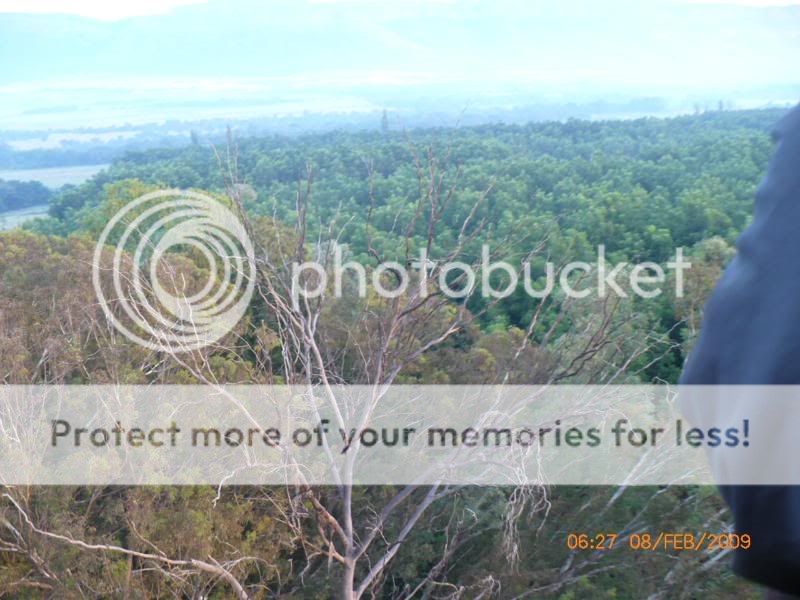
(545, 191)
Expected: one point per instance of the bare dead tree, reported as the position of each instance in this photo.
(389, 335)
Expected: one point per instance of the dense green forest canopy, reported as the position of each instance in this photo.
(641, 188)
(637, 186)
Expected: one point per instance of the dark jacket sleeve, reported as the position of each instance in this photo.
(751, 335)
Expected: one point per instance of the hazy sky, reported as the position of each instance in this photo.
(120, 9)
(96, 9)
(347, 54)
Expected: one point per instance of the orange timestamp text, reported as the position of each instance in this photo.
(663, 540)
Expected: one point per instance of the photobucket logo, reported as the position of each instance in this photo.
(149, 299)
(491, 278)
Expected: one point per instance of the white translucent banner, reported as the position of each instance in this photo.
(361, 435)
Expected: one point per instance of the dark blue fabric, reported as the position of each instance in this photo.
(751, 335)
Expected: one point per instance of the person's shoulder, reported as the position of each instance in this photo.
(789, 125)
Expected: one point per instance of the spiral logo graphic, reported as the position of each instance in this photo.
(151, 302)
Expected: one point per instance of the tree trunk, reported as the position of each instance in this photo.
(348, 579)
